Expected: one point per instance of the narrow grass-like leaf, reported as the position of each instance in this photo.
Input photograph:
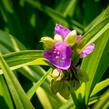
(65, 8)
(27, 57)
(10, 42)
(55, 15)
(5, 98)
(31, 92)
(16, 58)
(100, 86)
(106, 105)
(42, 95)
(33, 73)
(98, 19)
(70, 8)
(93, 100)
(96, 64)
(18, 94)
(104, 99)
(10, 18)
(93, 34)
(75, 100)
(67, 105)
(22, 57)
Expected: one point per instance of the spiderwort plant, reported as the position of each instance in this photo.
(60, 52)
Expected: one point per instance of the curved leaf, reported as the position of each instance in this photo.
(96, 64)
(100, 86)
(20, 98)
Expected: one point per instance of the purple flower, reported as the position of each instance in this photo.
(78, 37)
(60, 30)
(89, 49)
(59, 55)
(63, 31)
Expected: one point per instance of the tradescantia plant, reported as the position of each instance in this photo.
(60, 52)
(72, 70)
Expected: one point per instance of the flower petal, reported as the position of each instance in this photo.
(71, 38)
(61, 30)
(60, 55)
(89, 49)
(78, 37)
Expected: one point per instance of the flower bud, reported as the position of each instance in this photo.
(57, 74)
(47, 42)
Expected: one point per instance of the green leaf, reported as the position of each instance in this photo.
(106, 105)
(16, 58)
(25, 57)
(10, 18)
(33, 73)
(9, 43)
(55, 15)
(43, 97)
(93, 34)
(69, 104)
(20, 98)
(104, 99)
(69, 10)
(100, 86)
(75, 100)
(98, 19)
(5, 98)
(96, 64)
(93, 100)
(35, 86)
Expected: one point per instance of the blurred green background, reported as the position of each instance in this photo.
(29, 20)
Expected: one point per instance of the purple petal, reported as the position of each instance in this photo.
(89, 49)
(61, 30)
(60, 55)
(78, 37)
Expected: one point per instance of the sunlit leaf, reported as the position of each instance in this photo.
(5, 98)
(93, 34)
(20, 98)
(36, 85)
(104, 99)
(96, 64)
(100, 86)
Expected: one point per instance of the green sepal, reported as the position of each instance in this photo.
(64, 89)
(71, 38)
(55, 86)
(61, 87)
(74, 85)
(82, 76)
(47, 42)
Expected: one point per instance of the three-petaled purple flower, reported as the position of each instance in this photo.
(60, 54)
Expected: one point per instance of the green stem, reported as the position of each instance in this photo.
(75, 100)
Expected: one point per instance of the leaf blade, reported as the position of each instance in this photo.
(18, 94)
